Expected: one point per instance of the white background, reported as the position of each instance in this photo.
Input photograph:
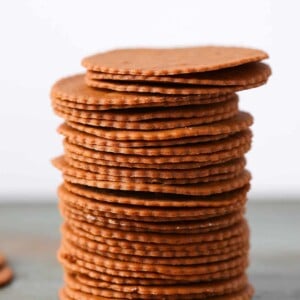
(41, 41)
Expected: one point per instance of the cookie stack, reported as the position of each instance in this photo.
(6, 274)
(155, 184)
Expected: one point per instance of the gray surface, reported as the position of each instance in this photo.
(29, 235)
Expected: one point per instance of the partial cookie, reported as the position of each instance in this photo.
(6, 273)
(171, 61)
(243, 75)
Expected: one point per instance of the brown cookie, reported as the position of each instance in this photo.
(77, 176)
(152, 250)
(190, 273)
(90, 154)
(74, 265)
(105, 265)
(87, 282)
(230, 142)
(204, 259)
(6, 273)
(147, 292)
(2, 260)
(168, 88)
(159, 200)
(200, 225)
(171, 61)
(153, 113)
(147, 125)
(219, 275)
(75, 205)
(238, 76)
(152, 224)
(244, 294)
(78, 137)
(215, 173)
(125, 211)
(74, 89)
(144, 239)
(240, 122)
(235, 165)
(169, 102)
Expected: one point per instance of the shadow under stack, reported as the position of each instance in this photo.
(155, 184)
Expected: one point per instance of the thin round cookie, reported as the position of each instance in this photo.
(237, 153)
(142, 249)
(82, 199)
(78, 137)
(185, 226)
(78, 208)
(218, 275)
(100, 232)
(187, 273)
(74, 175)
(168, 88)
(100, 218)
(89, 153)
(160, 62)
(215, 173)
(241, 75)
(244, 294)
(159, 200)
(240, 122)
(74, 89)
(232, 141)
(151, 113)
(146, 125)
(151, 239)
(235, 165)
(201, 259)
(169, 102)
(147, 292)
(94, 283)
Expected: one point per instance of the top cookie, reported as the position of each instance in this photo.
(171, 61)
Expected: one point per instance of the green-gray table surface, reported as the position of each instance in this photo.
(29, 236)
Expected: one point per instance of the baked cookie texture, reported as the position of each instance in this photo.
(154, 173)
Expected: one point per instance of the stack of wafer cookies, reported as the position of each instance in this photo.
(155, 184)
(6, 273)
